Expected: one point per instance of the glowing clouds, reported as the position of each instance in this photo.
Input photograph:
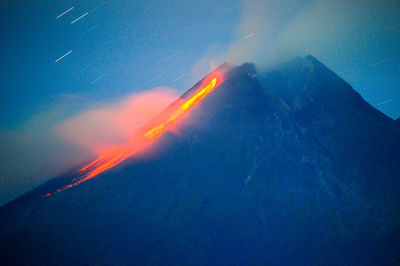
(102, 128)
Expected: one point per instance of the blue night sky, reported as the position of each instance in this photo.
(123, 47)
(131, 42)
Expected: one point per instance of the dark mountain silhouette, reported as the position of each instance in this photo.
(291, 166)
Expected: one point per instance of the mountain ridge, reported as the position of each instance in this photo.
(290, 166)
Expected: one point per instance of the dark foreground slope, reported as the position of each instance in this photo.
(286, 167)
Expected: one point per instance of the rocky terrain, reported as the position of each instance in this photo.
(291, 166)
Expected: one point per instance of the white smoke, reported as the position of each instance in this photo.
(339, 32)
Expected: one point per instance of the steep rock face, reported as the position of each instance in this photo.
(360, 141)
(290, 166)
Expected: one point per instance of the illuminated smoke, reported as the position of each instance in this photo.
(101, 128)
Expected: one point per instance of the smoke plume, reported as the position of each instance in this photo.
(271, 32)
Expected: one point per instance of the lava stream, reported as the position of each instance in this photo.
(116, 155)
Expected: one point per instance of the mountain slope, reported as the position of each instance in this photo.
(286, 167)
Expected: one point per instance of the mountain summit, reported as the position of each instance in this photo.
(290, 166)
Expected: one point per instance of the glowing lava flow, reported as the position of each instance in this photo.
(118, 154)
(157, 131)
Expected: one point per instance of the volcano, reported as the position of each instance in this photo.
(289, 166)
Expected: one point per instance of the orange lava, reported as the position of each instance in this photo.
(116, 155)
(157, 131)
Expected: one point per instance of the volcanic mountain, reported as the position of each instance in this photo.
(289, 166)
